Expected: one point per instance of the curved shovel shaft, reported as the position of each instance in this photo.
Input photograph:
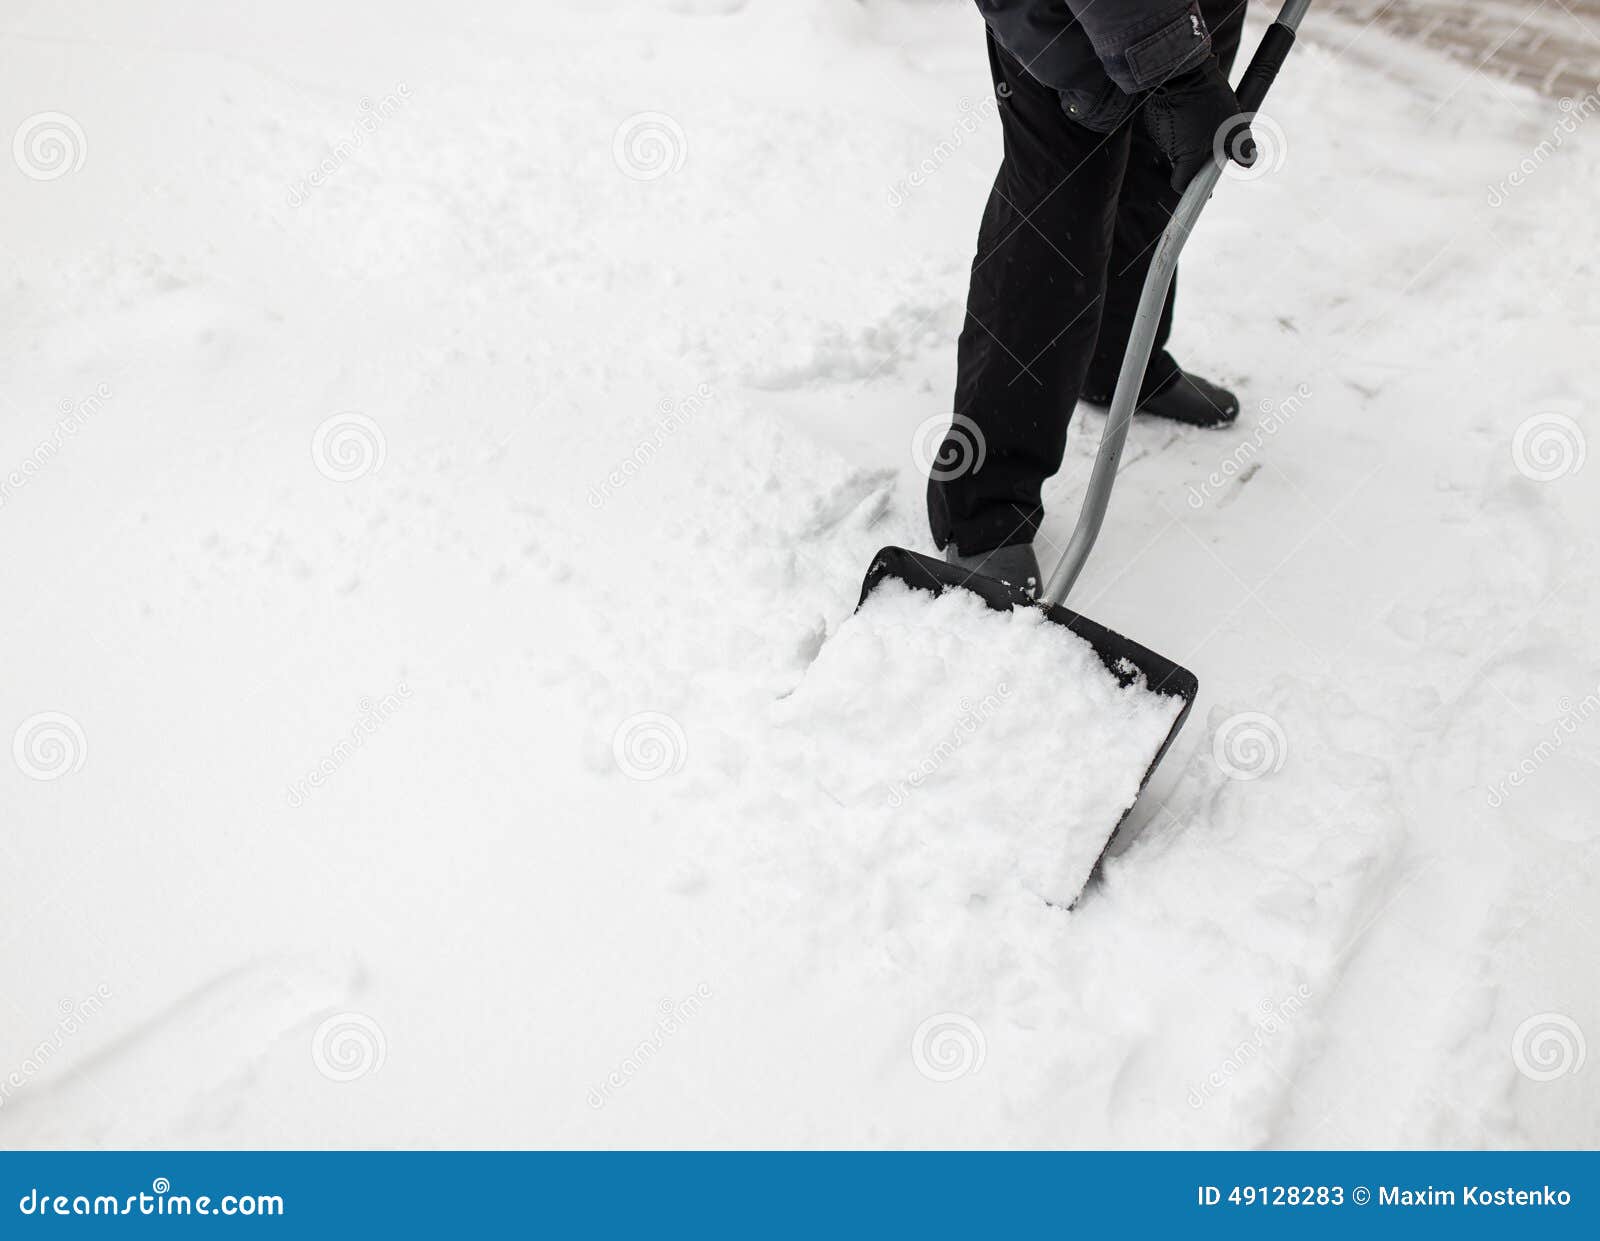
(1140, 341)
(1252, 90)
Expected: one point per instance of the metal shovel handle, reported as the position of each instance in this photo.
(1264, 66)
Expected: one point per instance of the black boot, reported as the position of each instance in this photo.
(1188, 399)
(1015, 565)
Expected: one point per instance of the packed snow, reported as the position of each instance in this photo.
(440, 452)
(910, 720)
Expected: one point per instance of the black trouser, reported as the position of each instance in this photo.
(1066, 239)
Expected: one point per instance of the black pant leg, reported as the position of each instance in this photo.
(1147, 203)
(1033, 313)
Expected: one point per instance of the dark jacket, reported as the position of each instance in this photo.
(1100, 55)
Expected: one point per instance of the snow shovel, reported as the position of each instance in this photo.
(1127, 660)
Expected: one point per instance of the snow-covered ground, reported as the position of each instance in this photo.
(438, 441)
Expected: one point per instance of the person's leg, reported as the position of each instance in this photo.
(1033, 312)
(1147, 203)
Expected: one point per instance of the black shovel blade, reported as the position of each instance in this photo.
(1125, 659)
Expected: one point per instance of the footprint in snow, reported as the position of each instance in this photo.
(172, 1070)
(860, 499)
(878, 349)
